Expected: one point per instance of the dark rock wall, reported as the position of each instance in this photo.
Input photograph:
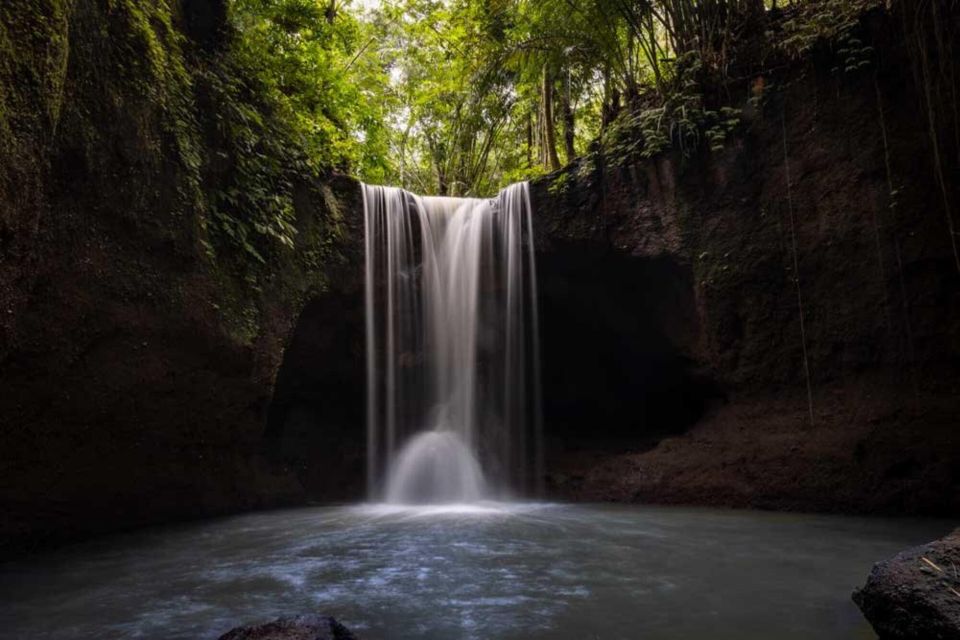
(316, 419)
(747, 247)
(137, 368)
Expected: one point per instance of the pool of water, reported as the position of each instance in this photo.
(494, 571)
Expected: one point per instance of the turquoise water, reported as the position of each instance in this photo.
(496, 571)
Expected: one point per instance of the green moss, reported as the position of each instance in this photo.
(151, 59)
(33, 65)
(213, 161)
(561, 184)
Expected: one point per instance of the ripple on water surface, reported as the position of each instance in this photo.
(485, 571)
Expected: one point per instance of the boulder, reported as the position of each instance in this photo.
(916, 594)
(305, 627)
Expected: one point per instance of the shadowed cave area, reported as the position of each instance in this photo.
(315, 423)
(618, 341)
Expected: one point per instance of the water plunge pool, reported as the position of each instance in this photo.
(492, 571)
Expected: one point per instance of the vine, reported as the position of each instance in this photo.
(796, 271)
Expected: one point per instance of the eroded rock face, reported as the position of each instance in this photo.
(305, 627)
(139, 352)
(916, 594)
(772, 325)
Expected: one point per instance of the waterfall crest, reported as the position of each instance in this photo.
(453, 389)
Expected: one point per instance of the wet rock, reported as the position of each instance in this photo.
(305, 627)
(916, 594)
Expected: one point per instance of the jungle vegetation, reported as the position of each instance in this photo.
(460, 97)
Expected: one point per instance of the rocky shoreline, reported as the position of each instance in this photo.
(303, 627)
(916, 594)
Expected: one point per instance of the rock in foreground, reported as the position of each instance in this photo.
(306, 627)
(916, 594)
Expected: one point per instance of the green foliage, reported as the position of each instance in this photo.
(239, 144)
(830, 21)
(464, 96)
(252, 205)
(202, 150)
(561, 184)
(295, 93)
(455, 98)
(681, 122)
(259, 143)
(442, 96)
(853, 54)
(678, 120)
(492, 91)
(314, 61)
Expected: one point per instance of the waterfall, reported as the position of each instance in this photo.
(453, 389)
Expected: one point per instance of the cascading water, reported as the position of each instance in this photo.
(453, 407)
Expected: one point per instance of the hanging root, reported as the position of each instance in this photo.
(911, 357)
(796, 270)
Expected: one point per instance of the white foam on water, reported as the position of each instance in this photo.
(479, 508)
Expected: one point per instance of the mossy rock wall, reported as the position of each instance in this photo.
(140, 337)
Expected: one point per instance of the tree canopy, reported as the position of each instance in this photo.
(460, 97)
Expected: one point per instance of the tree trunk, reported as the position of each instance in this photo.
(568, 121)
(757, 13)
(529, 139)
(442, 187)
(550, 158)
(611, 108)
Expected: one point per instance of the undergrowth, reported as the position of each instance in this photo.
(687, 118)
